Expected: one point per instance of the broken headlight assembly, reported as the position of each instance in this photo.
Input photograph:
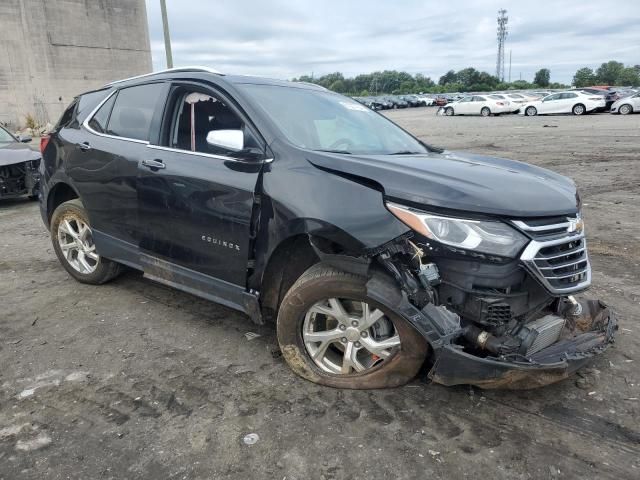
(485, 236)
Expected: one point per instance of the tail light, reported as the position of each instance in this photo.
(44, 141)
(500, 103)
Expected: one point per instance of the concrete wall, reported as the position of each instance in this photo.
(52, 50)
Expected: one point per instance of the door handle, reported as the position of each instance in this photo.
(84, 146)
(153, 164)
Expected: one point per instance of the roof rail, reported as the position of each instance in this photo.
(168, 70)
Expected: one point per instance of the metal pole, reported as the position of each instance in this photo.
(509, 65)
(167, 38)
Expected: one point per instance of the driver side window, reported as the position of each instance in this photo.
(196, 115)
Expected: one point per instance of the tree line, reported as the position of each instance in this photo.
(467, 80)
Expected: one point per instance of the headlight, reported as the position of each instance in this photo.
(489, 237)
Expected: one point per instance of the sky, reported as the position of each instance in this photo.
(289, 38)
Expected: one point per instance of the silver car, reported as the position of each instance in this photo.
(626, 105)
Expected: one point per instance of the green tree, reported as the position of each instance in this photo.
(608, 73)
(628, 76)
(584, 77)
(449, 77)
(542, 77)
(337, 86)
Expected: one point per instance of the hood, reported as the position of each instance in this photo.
(12, 153)
(461, 181)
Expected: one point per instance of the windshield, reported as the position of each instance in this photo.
(5, 137)
(325, 121)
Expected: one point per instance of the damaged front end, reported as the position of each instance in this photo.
(21, 178)
(498, 322)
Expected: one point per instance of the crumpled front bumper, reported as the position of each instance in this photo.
(585, 336)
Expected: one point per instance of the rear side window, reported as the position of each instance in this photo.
(133, 111)
(99, 121)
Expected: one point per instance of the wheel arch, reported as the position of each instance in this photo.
(61, 192)
(292, 256)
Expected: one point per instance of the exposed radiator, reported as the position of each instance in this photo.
(546, 330)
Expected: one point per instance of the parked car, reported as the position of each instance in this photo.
(441, 101)
(626, 105)
(427, 100)
(477, 105)
(499, 96)
(412, 100)
(396, 102)
(575, 102)
(19, 166)
(608, 95)
(371, 250)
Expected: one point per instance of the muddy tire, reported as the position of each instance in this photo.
(73, 243)
(316, 289)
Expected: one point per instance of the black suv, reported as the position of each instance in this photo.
(372, 251)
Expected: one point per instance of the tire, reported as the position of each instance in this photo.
(625, 109)
(485, 111)
(94, 271)
(578, 109)
(448, 111)
(531, 111)
(312, 290)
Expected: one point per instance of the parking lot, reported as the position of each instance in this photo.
(135, 380)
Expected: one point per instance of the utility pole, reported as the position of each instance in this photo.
(509, 65)
(502, 35)
(167, 38)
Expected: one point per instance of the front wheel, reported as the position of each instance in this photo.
(578, 109)
(331, 333)
(72, 240)
(531, 111)
(625, 109)
(485, 112)
(448, 111)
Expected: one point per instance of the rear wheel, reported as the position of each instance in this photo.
(531, 111)
(579, 109)
(448, 111)
(485, 111)
(72, 240)
(331, 333)
(625, 109)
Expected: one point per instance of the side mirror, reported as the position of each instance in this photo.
(230, 139)
(22, 139)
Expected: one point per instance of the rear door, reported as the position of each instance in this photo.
(196, 198)
(104, 166)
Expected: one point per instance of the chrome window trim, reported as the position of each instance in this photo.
(204, 154)
(540, 228)
(85, 124)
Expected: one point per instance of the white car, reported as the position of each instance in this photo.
(477, 105)
(626, 105)
(574, 102)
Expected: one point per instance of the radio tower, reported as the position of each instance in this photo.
(502, 35)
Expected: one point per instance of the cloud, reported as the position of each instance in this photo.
(285, 39)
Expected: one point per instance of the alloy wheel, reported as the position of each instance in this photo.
(346, 336)
(76, 243)
(625, 109)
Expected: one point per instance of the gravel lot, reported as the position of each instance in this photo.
(135, 380)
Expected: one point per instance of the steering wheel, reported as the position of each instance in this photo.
(341, 141)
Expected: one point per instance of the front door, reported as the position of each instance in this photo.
(196, 192)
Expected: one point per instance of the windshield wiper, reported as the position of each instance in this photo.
(345, 152)
(405, 152)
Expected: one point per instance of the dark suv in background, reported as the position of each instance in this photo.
(372, 251)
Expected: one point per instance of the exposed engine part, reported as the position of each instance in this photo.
(577, 306)
(429, 275)
(540, 333)
(486, 341)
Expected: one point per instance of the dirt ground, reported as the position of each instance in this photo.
(135, 380)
